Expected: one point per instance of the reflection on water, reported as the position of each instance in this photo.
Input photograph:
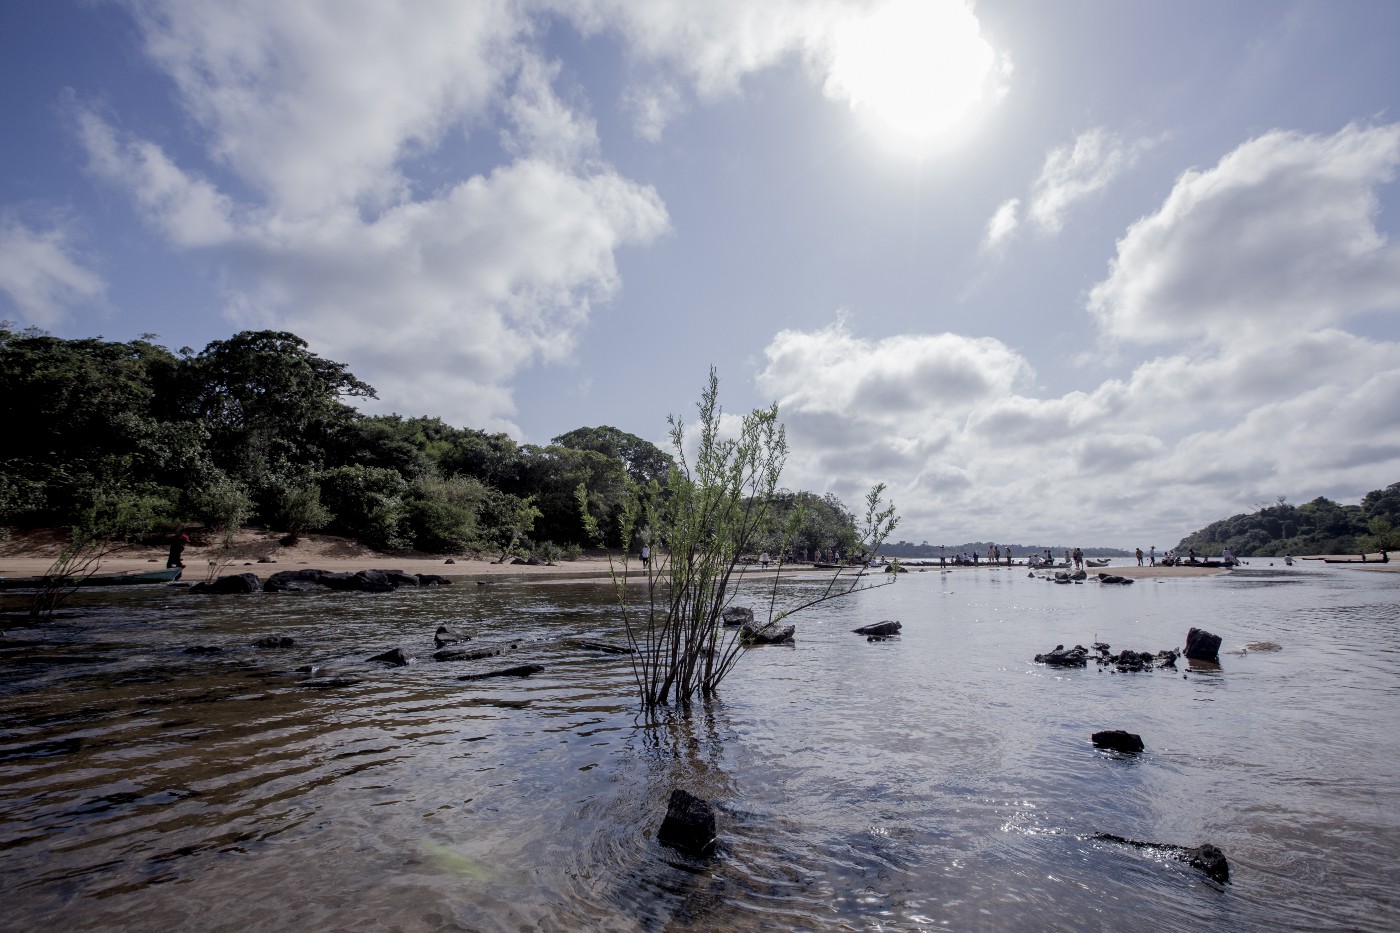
(940, 778)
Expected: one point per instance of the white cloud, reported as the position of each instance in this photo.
(1280, 234)
(42, 275)
(1073, 173)
(1003, 223)
(438, 299)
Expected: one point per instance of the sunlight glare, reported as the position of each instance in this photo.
(918, 66)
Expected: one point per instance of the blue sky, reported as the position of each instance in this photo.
(1086, 272)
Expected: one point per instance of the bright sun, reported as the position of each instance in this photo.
(918, 66)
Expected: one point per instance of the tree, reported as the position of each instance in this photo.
(712, 512)
(643, 460)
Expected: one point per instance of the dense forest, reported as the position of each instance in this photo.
(137, 440)
(1317, 527)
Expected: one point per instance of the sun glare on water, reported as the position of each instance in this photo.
(918, 67)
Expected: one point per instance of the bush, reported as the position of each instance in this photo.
(368, 504)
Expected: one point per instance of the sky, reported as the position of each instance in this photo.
(1089, 273)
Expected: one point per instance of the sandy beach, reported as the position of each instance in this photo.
(32, 553)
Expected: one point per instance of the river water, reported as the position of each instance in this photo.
(941, 779)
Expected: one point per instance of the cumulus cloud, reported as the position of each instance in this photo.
(42, 274)
(1280, 234)
(1073, 173)
(437, 298)
(1003, 223)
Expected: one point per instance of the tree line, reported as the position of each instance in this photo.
(1317, 527)
(258, 430)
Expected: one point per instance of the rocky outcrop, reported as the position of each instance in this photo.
(234, 583)
(1202, 645)
(274, 641)
(362, 581)
(1112, 579)
(879, 629)
(600, 646)
(766, 633)
(1060, 656)
(1119, 741)
(1204, 858)
(689, 825)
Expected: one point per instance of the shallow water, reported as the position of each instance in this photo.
(939, 779)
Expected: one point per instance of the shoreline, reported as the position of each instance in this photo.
(31, 554)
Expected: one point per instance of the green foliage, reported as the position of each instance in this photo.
(1317, 527)
(369, 503)
(643, 460)
(298, 510)
(442, 513)
(223, 504)
(715, 508)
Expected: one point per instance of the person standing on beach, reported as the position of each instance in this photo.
(1152, 555)
(1139, 556)
(177, 550)
(1078, 559)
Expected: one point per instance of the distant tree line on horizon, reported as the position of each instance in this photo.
(1317, 527)
(254, 431)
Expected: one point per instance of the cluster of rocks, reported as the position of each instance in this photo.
(299, 581)
(1129, 660)
(1200, 646)
(753, 632)
(1079, 576)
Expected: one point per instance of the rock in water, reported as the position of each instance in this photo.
(1210, 860)
(446, 636)
(738, 615)
(1119, 741)
(235, 583)
(522, 670)
(769, 633)
(274, 641)
(689, 825)
(1202, 645)
(882, 629)
(1078, 656)
(395, 656)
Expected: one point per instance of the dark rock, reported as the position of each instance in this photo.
(1209, 859)
(1263, 646)
(738, 615)
(519, 560)
(397, 578)
(447, 636)
(329, 683)
(689, 825)
(285, 581)
(433, 579)
(1112, 579)
(203, 649)
(274, 641)
(234, 583)
(1078, 656)
(1079, 575)
(1202, 645)
(767, 633)
(465, 654)
(601, 646)
(1119, 741)
(449, 561)
(879, 629)
(522, 670)
(1133, 661)
(266, 560)
(1167, 658)
(395, 656)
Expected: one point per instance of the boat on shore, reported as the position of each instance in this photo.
(1092, 562)
(95, 579)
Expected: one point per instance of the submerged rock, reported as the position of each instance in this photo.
(1205, 858)
(395, 656)
(522, 670)
(463, 654)
(1113, 579)
(689, 825)
(879, 629)
(446, 636)
(1119, 741)
(600, 646)
(1263, 646)
(274, 641)
(234, 583)
(768, 633)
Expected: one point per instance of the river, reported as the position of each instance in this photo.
(941, 779)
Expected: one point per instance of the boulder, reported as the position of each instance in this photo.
(446, 636)
(689, 825)
(394, 656)
(274, 641)
(738, 615)
(600, 646)
(1119, 741)
(203, 649)
(1202, 645)
(1079, 575)
(1209, 859)
(397, 578)
(1167, 658)
(522, 670)
(1078, 656)
(234, 583)
(767, 633)
(433, 579)
(290, 581)
(879, 629)
(1112, 579)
